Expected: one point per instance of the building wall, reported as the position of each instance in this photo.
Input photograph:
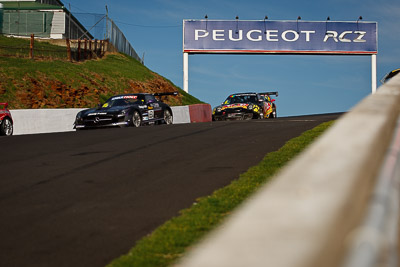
(26, 22)
(58, 26)
(55, 22)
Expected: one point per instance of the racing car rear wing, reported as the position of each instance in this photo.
(167, 93)
(160, 95)
(269, 93)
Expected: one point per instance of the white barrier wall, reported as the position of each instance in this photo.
(34, 121)
(181, 114)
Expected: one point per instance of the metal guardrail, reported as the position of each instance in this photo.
(337, 204)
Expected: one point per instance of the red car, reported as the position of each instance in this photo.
(6, 121)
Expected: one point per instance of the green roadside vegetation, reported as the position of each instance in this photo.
(20, 47)
(52, 82)
(171, 240)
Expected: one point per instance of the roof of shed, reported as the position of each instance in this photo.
(28, 6)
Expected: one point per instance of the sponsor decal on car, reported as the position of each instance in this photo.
(97, 113)
(235, 106)
(268, 110)
(249, 94)
(151, 114)
(125, 97)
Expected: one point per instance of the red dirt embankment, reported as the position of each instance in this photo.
(49, 93)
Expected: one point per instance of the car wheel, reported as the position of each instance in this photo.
(168, 119)
(6, 127)
(274, 115)
(136, 120)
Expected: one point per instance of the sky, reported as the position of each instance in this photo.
(307, 84)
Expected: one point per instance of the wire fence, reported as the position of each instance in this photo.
(71, 50)
(46, 24)
(38, 53)
(103, 27)
(94, 23)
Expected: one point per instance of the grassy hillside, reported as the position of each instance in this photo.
(57, 83)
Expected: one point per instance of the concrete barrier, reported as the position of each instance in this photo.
(181, 114)
(311, 212)
(35, 121)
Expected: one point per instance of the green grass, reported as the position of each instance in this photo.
(170, 241)
(100, 78)
(110, 70)
(20, 47)
(118, 66)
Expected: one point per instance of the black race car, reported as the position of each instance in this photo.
(390, 75)
(246, 106)
(126, 110)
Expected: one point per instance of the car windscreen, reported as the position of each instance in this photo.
(121, 101)
(233, 99)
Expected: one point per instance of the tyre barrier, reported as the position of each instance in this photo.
(336, 204)
(36, 121)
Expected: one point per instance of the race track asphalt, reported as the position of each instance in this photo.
(84, 198)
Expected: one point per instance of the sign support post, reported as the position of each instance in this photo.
(373, 74)
(186, 72)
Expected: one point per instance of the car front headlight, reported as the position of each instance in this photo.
(79, 115)
(123, 113)
(250, 107)
(217, 110)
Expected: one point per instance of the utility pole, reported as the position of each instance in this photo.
(106, 37)
(69, 22)
(19, 16)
